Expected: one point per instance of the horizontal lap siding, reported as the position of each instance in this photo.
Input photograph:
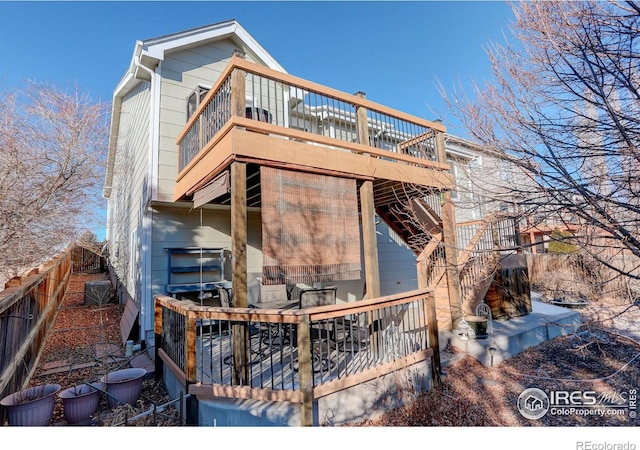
(182, 72)
(173, 227)
(397, 262)
(130, 176)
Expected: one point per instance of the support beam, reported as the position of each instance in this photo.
(450, 242)
(370, 250)
(371, 266)
(239, 263)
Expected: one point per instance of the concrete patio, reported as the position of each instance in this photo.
(512, 336)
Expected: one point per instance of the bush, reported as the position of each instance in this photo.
(562, 243)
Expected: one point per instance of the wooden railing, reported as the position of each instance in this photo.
(311, 112)
(480, 244)
(295, 355)
(28, 307)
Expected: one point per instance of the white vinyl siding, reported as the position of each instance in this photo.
(182, 72)
(129, 182)
(174, 227)
(398, 272)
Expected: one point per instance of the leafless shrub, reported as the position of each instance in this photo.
(52, 145)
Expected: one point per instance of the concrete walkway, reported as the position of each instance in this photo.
(512, 336)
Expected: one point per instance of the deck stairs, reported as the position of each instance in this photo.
(480, 245)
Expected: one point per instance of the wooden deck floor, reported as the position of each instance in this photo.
(274, 366)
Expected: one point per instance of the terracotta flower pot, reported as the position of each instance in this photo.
(32, 406)
(80, 402)
(124, 386)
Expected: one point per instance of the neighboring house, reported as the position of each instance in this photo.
(229, 180)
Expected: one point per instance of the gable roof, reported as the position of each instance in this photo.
(147, 55)
(151, 51)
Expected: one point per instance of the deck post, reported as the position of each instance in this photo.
(434, 342)
(305, 372)
(450, 241)
(238, 93)
(362, 123)
(157, 329)
(190, 350)
(371, 266)
(430, 311)
(239, 234)
(239, 263)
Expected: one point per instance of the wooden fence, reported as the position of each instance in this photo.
(86, 260)
(28, 307)
(575, 268)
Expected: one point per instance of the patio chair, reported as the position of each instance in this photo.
(321, 334)
(363, 330)
(311, 297)
(226, 301)
(273, 296)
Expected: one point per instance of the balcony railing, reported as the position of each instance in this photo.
(293, 355)
(314, 110)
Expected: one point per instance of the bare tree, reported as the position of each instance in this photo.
(52, 144)
(563, 105)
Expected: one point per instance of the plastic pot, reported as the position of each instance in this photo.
(32, 406)
(124, 386)
(80, 402)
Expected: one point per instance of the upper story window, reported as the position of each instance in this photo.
(194, 99)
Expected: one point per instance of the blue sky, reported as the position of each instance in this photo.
(393, 51)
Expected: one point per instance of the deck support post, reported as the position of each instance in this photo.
(432, 326)
(239, 267)
(450, 241)
(371, 266)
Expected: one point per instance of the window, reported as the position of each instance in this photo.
(455, 195)
(460, 171)
(194, 99)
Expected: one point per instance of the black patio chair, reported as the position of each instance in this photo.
(321, 334)
(226, 301)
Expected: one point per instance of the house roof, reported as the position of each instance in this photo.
(152, 51)
(147, 55)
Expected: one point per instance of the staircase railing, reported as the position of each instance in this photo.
(481, 245)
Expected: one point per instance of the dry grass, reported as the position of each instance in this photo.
(598, 357)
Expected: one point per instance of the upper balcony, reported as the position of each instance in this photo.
(258, 115)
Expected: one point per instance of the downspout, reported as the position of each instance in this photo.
(146, 302)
